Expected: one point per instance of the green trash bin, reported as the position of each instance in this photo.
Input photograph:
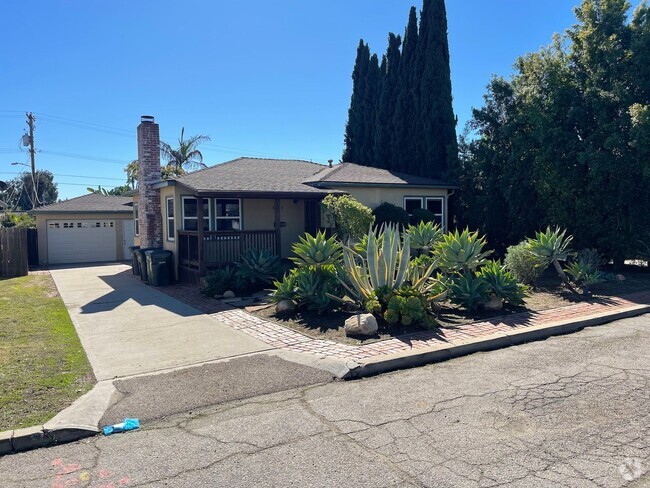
(160, 266)
(142, 260)
(135, 267)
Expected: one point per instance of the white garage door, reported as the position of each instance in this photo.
(80, 241)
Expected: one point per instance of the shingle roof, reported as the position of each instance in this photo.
(349, 173)
(91, 203)
(255, 175)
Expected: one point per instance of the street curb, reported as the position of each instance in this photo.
(498, 340)
(79, 421)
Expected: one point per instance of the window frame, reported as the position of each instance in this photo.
(217, 218)
(207, 217)
(136, 218)
(171, 227)
(423, 204)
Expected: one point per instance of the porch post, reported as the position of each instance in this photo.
(200, 254)
(278, 232)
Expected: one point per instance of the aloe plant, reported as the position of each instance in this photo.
(502, 283)
(460, 252)
(316, 250)
(259, 265)
(469, 290)
(424, 236)
(551, 247)
(386, 264)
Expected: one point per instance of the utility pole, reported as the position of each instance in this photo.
(30, 122)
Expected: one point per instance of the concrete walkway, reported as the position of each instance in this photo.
(128, 328)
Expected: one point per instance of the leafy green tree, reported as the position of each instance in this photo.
(186, 156)
(20, 190)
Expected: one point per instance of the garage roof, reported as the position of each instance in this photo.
(91, 203)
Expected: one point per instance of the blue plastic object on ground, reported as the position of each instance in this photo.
(128, 424)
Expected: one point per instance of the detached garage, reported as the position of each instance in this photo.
(87, 229)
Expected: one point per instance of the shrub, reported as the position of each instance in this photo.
(351, 218)
(502, 283)
(460, 252)
(18, 220)
(259, 266)
(424, 236)
(389, 214)
(469, 290)
(316, 251)
(523, 264)
(220, 280)
(422, 215)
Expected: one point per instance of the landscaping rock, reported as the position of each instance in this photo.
(494, 303)
(361, 325)
(285, 306)
(229, 294)
(620, 277)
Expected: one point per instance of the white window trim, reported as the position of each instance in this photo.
(216, 200)
(423, 204)
(168, 218)
(442, 207)
(209, 216)
(136, 218)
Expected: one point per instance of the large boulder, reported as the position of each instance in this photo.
(364, 324)
(229, 294)
(285, 306)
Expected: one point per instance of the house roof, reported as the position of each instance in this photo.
(90, 203)
(284, 176)
(355, 174)
(255, 175)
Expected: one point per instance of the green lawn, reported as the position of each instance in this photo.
(43, 367)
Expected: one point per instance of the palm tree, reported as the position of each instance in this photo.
(186, 156)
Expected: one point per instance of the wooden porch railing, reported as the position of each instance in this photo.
(222, 247)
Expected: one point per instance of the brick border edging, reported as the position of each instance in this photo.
(384, 364)
(432, 346)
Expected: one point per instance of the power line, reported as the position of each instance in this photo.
(69, 176)
(83, 156)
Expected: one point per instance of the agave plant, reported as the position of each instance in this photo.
(551, 247)
(259, 265)
(284, 289)
(502, 283)
(460, 252)
(584, 274)
(315, 287)
(424, 236)
(469, 290)
(316, 250)
(385, 265)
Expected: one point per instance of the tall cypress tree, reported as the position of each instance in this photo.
(355, 127)
(402, 149)
(371, 105)
(385, 123)
(436, 130)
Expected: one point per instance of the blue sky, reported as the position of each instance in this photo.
(260, 78)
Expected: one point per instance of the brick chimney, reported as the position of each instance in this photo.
(151, 231)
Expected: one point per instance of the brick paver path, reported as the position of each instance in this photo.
(281, 337)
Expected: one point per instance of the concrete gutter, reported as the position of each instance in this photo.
(78, 421)
(498, 340)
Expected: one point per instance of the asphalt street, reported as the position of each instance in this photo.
(568, 411)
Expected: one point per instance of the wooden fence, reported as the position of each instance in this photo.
(13, 252)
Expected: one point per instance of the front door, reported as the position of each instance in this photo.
(128, 233)
(312, 216)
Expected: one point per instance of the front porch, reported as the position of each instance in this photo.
(234, 226)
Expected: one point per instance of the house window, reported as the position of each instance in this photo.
(170, 218)
(136, 220)
(228, 214)
(435, 205)
(191, 214)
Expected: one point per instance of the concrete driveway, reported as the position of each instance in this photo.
(128, 328)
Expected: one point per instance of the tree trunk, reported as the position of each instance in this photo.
(560, 271)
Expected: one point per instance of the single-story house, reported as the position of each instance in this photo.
(89, 228)
(256, 203)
